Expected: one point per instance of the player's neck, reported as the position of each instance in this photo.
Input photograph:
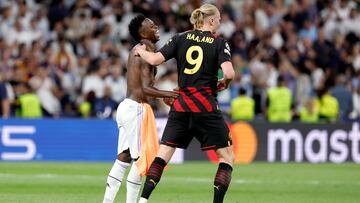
(206, 28)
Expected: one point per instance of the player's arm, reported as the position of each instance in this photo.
(152, 58)
(148, 77)
(151, 91)
(165, 53)
(228, 71)
(147, 52)
(226, 66)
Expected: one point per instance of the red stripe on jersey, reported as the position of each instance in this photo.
(201, 98)
(189, 102)
(208, 147)
(208, 90)
(214, 35)
(178, 106)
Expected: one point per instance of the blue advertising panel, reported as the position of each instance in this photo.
(96, 140)
(58, 140)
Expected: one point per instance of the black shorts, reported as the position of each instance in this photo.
(207, 127)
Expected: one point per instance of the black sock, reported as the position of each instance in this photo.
(153, 176)
(221, 182)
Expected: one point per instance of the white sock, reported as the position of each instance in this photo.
(143, 200)
(114, 180)
(133, 184)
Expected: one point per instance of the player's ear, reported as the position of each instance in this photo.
(142, 34)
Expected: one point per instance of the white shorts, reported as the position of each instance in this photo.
(129, 116)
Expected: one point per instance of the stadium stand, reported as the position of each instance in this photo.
(71, 52)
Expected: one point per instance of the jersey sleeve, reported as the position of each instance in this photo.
(224, 52)
(169, 49)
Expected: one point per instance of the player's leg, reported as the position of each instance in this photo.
(155, 171)
(125, 117)
(175, 136)
(214, 134)
(133, 184)
(116, 175)
(223, 174)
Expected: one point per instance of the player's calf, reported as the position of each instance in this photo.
(221, 182)
(114, 180)
(153, 177)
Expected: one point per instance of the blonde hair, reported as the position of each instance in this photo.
(198, 15)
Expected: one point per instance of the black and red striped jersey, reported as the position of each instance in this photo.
(199, 55)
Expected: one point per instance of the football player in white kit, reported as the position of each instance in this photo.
(138, 140)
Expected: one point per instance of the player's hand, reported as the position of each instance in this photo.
(139, 47)
(171, 94)
(221, 85)
(168, 101)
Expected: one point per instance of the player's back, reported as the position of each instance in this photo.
(197, 59)
(199, 55)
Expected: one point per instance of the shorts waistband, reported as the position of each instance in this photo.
(127, 100)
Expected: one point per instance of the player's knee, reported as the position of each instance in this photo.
(231, 157)
(124, 156)
(228, 159)
(166, 152)
(226, 155)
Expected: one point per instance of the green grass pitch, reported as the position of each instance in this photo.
(186, 183)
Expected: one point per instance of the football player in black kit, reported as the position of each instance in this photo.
(195, 113)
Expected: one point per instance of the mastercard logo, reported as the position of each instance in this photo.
(244, 143)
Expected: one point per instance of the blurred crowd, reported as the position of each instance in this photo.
(67, 58)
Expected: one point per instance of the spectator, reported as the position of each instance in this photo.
(328, 106)
(343, 96)
(242, 107)
(86, 107)
(317, 74)
(309, 113)
(168, 81)
(279, 98)
(105, 107)
(4, 100)
(323, 47)
(94, 81)
(117, 82)
(356, 56)
(227, 26)
(82, 41)
(302, 88)
(308, 31)
(355, 114)
(47, 91)
(28, 102)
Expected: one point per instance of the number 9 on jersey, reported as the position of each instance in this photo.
(194, 61)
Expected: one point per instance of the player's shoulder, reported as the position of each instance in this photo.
(183, 35)
(219, 38)
(185, 32)
(177, 38)
(222, 42)
(150, 46)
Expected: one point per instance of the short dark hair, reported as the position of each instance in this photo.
(280, 79)
(134, 26)
(242, 91)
